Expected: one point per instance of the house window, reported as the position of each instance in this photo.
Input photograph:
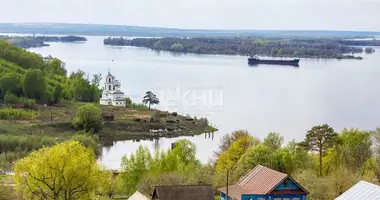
(109, 87)
(113, 87)
(286, 183)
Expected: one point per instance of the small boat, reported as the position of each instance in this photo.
(256, 61)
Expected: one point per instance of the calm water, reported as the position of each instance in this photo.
(231, 94)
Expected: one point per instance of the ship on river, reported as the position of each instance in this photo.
(256, 61)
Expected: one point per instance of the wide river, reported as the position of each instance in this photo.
(231, 94)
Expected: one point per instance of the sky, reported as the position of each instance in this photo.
(356, 15)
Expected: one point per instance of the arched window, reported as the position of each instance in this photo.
(109, 87)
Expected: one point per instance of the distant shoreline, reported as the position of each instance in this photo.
(143, 31)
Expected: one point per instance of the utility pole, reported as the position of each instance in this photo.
(227, 186)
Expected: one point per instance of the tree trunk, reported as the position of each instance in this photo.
(320, 162)
(149, 105)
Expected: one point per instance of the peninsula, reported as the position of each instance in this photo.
(40, 105)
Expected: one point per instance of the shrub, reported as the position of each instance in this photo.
(17, 114)
(175, 114)
(28, 103)
(11, 99)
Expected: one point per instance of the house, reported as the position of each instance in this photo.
(138, 196)
(263, 183)
(362, 190)
(112, 95)
(183, 192)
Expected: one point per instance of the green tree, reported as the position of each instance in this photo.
(134, 168)
(65, 171)
(319, 139)
(111, 184)
(355, 147)
(11, 99)
(228, 139)
(128, 102)
(150, 99)
(89, 118)
(176, 47)
(56, 66)
(57, 94)
(273, 141)
(253, 156)
(10, 83)
(96, 79)
(34, 84)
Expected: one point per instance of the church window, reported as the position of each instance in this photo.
(109, 87)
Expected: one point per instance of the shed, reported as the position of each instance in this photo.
(138, 196)
(263, 183)
(183, 192)
(362, 190)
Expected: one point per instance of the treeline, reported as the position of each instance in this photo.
(373, 42)
(27, 75)
(39, 41)
(326, 163)
(310, 48)
(70, 38)
(23, 41)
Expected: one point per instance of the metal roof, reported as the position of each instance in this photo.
(362, 190)
(261, 181)
(138, 196)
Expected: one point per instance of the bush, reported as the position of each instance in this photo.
(11, 99)
(18, 143)
(17, 114)
(175, 114)
(28, 103)
(88, 141)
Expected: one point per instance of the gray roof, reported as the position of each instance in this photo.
(119, 99)
(184, 192)
(117, 92)
(362, 190)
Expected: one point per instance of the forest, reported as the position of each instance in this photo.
(246, 46)
(28, 75)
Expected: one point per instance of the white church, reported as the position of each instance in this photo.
(112, 95)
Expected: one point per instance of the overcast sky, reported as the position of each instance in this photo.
(205, 14)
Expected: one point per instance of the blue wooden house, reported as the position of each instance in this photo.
(263, 183)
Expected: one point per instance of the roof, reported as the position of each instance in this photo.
(119, 99)
(184, 192)
(117, 92)
(138, 196)
(261, 181)
(362, 190)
